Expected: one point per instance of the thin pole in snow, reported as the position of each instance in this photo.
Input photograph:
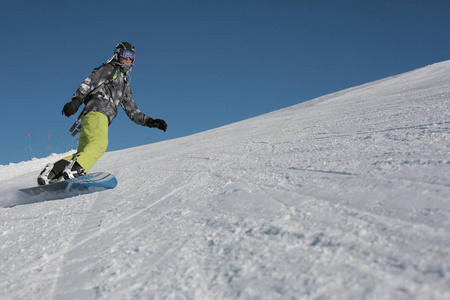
(29, 146)
(64, 146)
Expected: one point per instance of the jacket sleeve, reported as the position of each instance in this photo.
(97, 78)
(131, 109)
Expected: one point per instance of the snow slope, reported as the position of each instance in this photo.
(343, 197)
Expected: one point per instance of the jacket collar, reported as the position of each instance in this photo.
(123, 68)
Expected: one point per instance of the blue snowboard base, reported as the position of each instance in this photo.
(87, 184)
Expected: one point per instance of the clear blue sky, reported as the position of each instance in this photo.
(201, 64)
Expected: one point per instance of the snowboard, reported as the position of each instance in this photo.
(86, 184)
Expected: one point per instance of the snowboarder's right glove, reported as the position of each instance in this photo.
(156, 123)
(71, 107)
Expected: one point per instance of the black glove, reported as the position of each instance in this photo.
(156, 123)
(71, 107)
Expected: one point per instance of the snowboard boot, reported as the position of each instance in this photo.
(47, 175)
(54, 172)
(73, 170)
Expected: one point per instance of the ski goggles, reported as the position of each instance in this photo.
(126, 54)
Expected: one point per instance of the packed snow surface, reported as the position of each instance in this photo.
(346, 196)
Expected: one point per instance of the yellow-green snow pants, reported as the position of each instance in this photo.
(93, 140)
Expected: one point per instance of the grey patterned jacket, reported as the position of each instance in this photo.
(107, 88)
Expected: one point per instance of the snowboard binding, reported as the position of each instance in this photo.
(61, 169)
(47, 175)
(73, 170)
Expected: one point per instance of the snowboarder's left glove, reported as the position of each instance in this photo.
(71, 107)
(156, 123)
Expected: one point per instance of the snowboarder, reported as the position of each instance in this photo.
(102, 93)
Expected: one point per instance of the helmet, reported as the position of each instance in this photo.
(124, 49)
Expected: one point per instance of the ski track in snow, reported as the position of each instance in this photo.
(343, 197)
